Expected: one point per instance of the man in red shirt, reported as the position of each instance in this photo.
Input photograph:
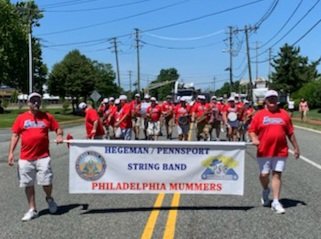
(153, 114)
(201, 115)
(136, 115)
(182, 119)
(125, 118)
(269, 130)
(94, 126)
(167, 113)
(33, 127)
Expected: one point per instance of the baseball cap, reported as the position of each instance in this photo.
(82, 105)
(213, 97)
(153, 99)
(246, 102)
(231, 99)
(122, 97)
(117, 102)
(221, 98)
(182, 99)
(147, 96)
(270, 93)
(137, 95)
(111, 98)
(34, 95)
(105, 100)
(201, 97)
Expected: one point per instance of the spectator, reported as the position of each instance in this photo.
(290, 107)
(303, 109)
(34, 161)
(269, 130)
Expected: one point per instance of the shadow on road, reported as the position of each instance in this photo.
(286, 202)
(64, 209)
(144, 209)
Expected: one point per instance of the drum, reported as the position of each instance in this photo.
(232, 116)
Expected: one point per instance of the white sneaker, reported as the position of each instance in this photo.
(52, 205)
(31, 214)
(278, 208)
(265, 197)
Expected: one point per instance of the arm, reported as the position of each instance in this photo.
(94, 130)
(13, 143)
(59, 136)
(254, 138)
(295, 145)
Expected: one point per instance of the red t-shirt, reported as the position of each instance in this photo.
(154, 113)
(33, 130)
(126, 110)
(91, 117)
(272, 129)
(167, 108)
(181, 111)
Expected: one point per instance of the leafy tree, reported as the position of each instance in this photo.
(170, 74)
(105, 77)
(292, 71)
(16, 20)
(311, 92)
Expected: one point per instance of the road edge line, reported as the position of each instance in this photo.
(318, 166)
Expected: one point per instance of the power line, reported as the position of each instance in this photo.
(98, 8)
(68, 3)
(180, 48)
(114, 20)
(307, 32)
(267, 14)
(186, 38)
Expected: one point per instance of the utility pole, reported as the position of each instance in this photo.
(270, 62)
(231, 54)
(246, 29)
(114, 42)
(257, 59)
(30, 53)
(138, 60)
(130, 80)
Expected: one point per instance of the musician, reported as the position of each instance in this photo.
(167, 114)
(136, 115)
(247, 116)
(201, 115)
(144, 105)
(231, 119)
(182, 119)
(216, 117)
(153, 114)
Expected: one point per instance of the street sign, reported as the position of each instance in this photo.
(95, 96)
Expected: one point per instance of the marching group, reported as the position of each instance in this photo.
(268, 128)
(119, 118)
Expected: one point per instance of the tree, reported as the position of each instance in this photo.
(16, 21)
(170, 74)
(105, 77)
(311, 92)
(292, 71)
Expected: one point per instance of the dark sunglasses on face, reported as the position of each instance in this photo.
(35, 100)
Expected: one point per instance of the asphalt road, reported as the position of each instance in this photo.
(198, 216)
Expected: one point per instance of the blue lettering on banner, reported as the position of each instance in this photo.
(157, 166)
(158, 150)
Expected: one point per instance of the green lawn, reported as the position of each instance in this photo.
(7, 119)
(312, 114)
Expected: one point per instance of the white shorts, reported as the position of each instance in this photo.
(153, 128)
(266, 165)
(29, 171)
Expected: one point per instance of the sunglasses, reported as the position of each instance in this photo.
(35, 100)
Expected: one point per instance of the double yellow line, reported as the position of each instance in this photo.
(171, 219)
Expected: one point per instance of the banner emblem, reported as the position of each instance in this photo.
(90, 166)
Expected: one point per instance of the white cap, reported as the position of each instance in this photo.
(33, 95)
(201, 97)
(221, 98)
(231, 99)
(182, 99)
(122, 97)
(213, 97)
(147, 96)
(137, 95)
(111, 98)
(270, 93)
(82, 105)
(153, 99)
(246, 102)
(105, 100)
(117, 102)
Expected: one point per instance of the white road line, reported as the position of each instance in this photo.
(308, 129)
(307, 160)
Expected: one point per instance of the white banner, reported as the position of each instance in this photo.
(101, 166)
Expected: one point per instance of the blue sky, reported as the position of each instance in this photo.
(189, 35)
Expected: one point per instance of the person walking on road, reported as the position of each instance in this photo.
(269, 130)
(34, 162)
(303, 108)
(94, 126)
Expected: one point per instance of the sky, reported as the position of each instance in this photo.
(189, 35)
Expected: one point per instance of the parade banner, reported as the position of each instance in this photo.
(105, 166)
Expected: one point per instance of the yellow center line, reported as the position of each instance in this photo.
(150, 225)
(172, 216)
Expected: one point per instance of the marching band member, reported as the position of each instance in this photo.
(167, 115)
(182, 119)
(153, 114)
(136, 115)
(125, 118)
(216, 117)
(230, 118)
(201, 115)
(145, 104)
